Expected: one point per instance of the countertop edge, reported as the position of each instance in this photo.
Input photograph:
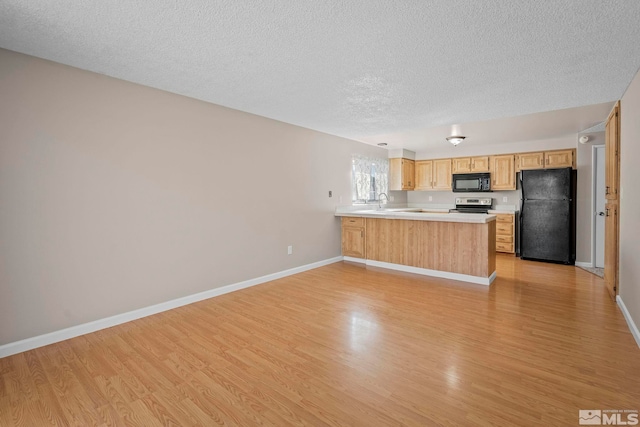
(438, 217)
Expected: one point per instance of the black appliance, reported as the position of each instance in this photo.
(547, 215)
(471, 182)
(473, 205)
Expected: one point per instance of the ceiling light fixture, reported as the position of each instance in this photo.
(382, 144)
(455, 140)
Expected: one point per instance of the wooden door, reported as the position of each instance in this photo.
(503, 173)
(480, 164)
(423, 171)
(612, 143)
(559, 159)
(408, 172)
(611, 249)
(461, 165)
(530, 161)
(442, 174)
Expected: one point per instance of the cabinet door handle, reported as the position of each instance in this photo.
(606, 191)
(607, 209)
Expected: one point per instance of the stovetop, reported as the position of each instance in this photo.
(473, 205)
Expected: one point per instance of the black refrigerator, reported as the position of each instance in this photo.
(547, 215)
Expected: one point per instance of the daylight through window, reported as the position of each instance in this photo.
(369, 178)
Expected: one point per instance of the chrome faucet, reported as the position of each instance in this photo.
(380, 199)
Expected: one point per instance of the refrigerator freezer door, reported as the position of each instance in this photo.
(546, 184)
(545, 232)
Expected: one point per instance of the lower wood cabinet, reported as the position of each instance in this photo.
(505, 233)
(353, 237)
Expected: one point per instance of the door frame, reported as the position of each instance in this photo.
(593, 200)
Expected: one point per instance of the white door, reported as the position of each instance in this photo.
(599, 205)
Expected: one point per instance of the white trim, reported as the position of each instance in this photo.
(86, 328)
(584, 264)
(632, 326)
(435, 273)
(352, 259)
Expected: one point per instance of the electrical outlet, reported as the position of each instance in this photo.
(505, 199)
(431, 198)
(289, 250)
(340, 199)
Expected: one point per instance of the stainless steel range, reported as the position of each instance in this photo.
(473, 205)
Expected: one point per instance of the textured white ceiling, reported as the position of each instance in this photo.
(355, 68)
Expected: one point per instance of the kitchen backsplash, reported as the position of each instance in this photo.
(448, 197)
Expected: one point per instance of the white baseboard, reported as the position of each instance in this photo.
(584, 264)
(426, 272)
(632, 326)
(86, 328)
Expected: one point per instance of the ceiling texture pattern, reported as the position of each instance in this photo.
(354, 68)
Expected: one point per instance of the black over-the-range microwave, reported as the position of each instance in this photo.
(471, 182)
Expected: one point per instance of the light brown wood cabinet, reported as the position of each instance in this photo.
(505, 233)
(401, 174)
(612, 148)
(424, 175)
(559, 159)
(434, 175)
(503, 172)
(353, 237)
(470, 164)
(442, 174)
(546, 159)
(530, 161)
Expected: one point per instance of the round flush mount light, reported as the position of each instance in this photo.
(583, 139)
(382, 144)
(455, 140)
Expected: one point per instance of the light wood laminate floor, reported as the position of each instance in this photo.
(346, 345)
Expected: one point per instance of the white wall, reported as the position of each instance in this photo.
(115, 196)
(630, 199)
(468, 149)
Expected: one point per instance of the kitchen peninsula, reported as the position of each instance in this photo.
(456, 246)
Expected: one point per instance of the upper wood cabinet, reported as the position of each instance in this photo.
(401, 174)
(546, 159)
(530, 161)
(442, 174)
(559, 159)
(503, 172)
(470, 164)
(424, 175)
(433, 175)
(612, 148)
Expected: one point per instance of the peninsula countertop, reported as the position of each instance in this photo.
(419, 215)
